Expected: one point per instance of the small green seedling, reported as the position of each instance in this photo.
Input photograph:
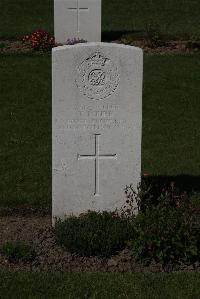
(18, 251)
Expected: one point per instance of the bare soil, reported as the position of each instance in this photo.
(35, 229)
(11, 47)
(170, 47)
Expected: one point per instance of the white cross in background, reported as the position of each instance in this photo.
(96, 157)
(78, 9)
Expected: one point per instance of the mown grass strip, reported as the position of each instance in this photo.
(99, 285)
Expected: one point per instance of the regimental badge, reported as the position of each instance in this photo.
(97, 77)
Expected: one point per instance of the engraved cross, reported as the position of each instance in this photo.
(78, 10)
(97, 157)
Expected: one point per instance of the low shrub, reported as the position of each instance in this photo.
(18, 251)
(94, 234)
(194, 206)
(39, 40)
(150, 194)
(165, 235)
(2, 45)
(136, 200)
(153, 37)
(194, 43)
(166, 229)
(194, 202)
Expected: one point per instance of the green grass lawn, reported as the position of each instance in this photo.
(171, 109)
(177, 18)
(25, 126)
(86, 285)
(171, 135)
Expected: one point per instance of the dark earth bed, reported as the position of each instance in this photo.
(35, 229)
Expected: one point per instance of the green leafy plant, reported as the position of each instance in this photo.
(194, 206)
(135, 200)
(18, 251)
(194, 43)
(195, 201)
(164, 235)
(94, 234)
(2, 45)
(166, 229)
(148, 195)
(153, 37)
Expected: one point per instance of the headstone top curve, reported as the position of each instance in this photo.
(94, 44)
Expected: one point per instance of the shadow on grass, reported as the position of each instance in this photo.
(179, 185)
(114, 35)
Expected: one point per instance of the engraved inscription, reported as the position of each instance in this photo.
(97, 77)
(96, 157)
(100, 117)
(94, 124)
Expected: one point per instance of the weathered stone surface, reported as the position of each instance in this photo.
(77, 19)
(97, 125)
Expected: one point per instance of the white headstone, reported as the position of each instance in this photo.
(77, 19)
(97, 126)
